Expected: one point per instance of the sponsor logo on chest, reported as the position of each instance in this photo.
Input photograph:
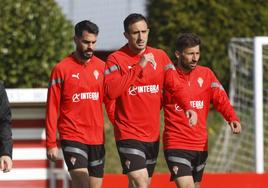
(197, 104)
(194, 104)
(134, 90)
(77, 97)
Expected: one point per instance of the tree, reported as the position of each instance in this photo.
(215, 21)
(34, 35)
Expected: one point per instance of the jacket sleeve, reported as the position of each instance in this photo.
(53, 107)
(110, 108)
(221, 101)
(6, 143)
(117, 82)
(175, 84)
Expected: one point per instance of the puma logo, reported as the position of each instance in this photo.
(75, 75)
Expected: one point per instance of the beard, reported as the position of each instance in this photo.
(188, 66)
(85, 55)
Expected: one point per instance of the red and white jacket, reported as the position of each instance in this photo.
(74, 102)
(203, 89)
(138, 92)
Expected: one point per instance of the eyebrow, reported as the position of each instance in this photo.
(89, 41)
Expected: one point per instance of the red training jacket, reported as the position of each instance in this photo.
(74, 102)
(138, 92)
(203, 88)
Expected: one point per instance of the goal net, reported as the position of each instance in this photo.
(237, 153)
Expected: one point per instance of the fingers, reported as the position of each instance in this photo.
(143, 62)
(7, 168)
(192, 121)
(52, 154)
(188, 115)
(52, 157)
(236, 127)
(148, 58)
(6, 164)
(1, 164)
(192, 116)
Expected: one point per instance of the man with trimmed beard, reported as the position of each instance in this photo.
(74, 107)
(186, 147)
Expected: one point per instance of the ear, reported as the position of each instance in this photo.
(75, 39)
(126, 35)
(177, 54)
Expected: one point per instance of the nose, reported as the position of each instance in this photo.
(90, 45)
(195, 57)
(140, 35)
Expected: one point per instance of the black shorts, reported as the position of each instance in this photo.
(135, 155)
(186, 163)
(78, 155)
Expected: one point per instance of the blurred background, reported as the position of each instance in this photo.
(35, 35)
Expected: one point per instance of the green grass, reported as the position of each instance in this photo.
(112, 161)
(214, 123)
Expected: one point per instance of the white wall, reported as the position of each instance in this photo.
(107, 14)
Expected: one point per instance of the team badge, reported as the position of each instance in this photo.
(175, 169)
(127, 163)
(96, 74)
(73, 160)
(200, 81)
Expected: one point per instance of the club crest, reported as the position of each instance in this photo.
(175, 169)
(96, 74)
(73, 160)
(200, 81)
(127, 163)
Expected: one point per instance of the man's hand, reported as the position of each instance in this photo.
(147, 58)
(5, 163)
(52, 153)
(235, 127)
(192, 116)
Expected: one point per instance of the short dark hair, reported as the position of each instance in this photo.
(86, 25)
(133, 18)
(187, 40)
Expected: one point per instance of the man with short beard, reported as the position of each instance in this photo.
(74, 107)
(186, 147)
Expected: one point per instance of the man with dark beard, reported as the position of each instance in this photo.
(186, 147)
(74, 106)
